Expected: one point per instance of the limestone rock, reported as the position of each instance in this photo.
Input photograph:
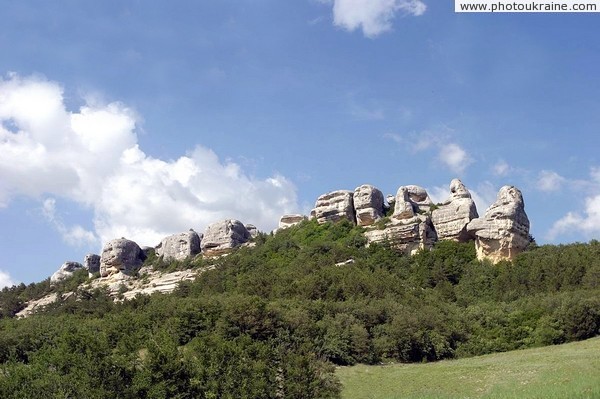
(407, 235)
(290, 220)
(92, 263)
(221, 237)
(179, 246)
(452, 216)
(368, 205)
(66, 270)
(120, 255)
(403, 208)
(252, 230)
(503, 232)
(419, 198)
(335, 206)
(391, 200)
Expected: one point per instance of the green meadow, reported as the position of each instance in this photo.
(564, 371)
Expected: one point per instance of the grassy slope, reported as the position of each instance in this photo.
(565, 371)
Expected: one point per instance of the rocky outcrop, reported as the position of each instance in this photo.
(120, 255)
(66, 270)
(335, 206)
(452, 216)
(221, 237)
(179, 246)
(407, 235)
(252, 230)
(419, 198)
(368, 205)
(290, 220)
(92, 263)
(409, 228)
(503, 232)
(403, 207)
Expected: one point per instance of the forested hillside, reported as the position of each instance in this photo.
(272, 321)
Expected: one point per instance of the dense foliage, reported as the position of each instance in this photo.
(271, 321)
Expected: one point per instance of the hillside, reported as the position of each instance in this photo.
(274, 319)
(564, 371)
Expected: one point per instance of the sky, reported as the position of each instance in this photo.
(140, 119)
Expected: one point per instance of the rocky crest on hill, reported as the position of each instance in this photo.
(417, 222)
(414, 222)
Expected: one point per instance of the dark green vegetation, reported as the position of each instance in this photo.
(271, 321)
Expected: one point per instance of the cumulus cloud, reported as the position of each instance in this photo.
(586, 222)
(374, 17)
(91, 156)
(454, 156)
(449, 153)
(549, 181)
(74, 235)
(5, 280)
(501, 168)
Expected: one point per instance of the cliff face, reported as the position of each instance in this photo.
(417, 223)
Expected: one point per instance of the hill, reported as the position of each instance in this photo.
(274, 319)
(563, 371)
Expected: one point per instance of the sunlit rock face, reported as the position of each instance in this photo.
(120, 255)
(452, 216)
(335, 206)
(179, 246)
(66, 270)
(222, 237)
(503, 232)
(368, 204)
(290, 220)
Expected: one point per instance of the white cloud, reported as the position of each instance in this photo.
(454, 156)
(501, 168)
(74, 235)
(91, 157)
(449, 153)
(588, 221)
(549, 181)
(5, 280)
(373, 16)
(484, 195)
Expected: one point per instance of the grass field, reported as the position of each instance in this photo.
(565, 371)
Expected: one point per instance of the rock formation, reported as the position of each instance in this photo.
(290, 220)
(368, 205)
(92, 263)
(335, 206)
(451, 217)
(419, 198)
(408, 230)
(120, 255)
(179, 246)
(66, 270)
(503, 232)
(221, 237)
(252, 230)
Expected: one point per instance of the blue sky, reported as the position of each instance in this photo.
(145, 118)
